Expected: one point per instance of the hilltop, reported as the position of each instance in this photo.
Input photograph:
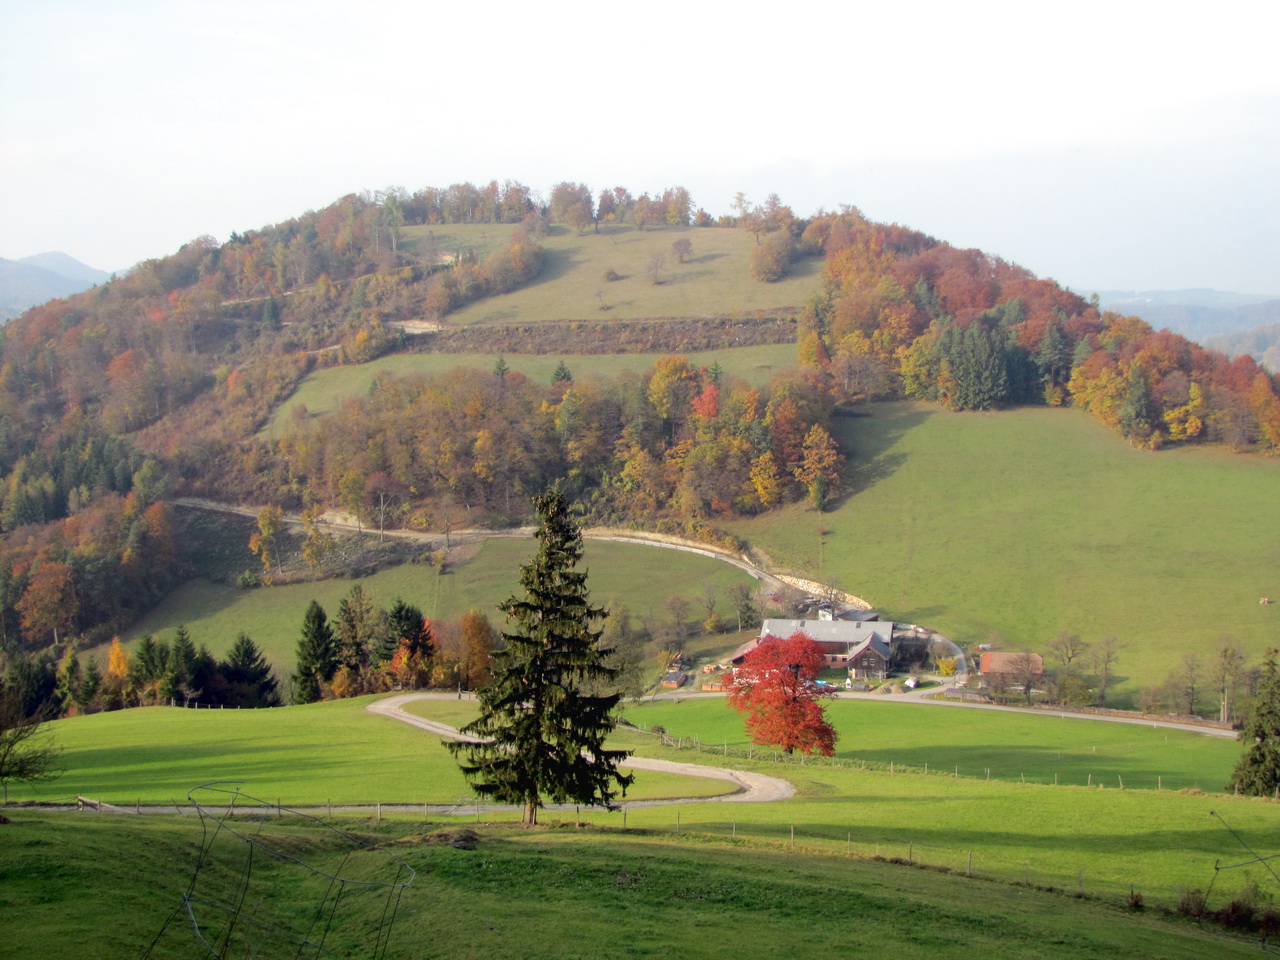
(161, 382)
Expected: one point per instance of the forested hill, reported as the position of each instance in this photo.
(158, 382)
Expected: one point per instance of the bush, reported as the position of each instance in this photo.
(611, 275)
(1192, 903)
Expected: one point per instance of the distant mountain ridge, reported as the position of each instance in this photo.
(1196, 314)
(33, 280)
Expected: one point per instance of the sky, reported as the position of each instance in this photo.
(1107, 145)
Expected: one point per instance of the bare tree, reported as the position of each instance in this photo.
(678, 607)
(1024, 670)
(1226, 672)
(683, 249)
(740, 595)
(710, 600)
(1104, 656)
(1184, 684)
(654, 269)
(27, 755)
(1067, 647)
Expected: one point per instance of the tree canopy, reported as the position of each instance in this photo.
(777, 688)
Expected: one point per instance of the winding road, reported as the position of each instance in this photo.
(747, 787)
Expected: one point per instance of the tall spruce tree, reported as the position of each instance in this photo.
(540, 734)
(1257, 774)
(317, 655)
(250, 682)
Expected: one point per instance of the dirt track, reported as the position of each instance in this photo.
(748, 787)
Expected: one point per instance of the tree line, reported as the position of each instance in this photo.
(901, 314)
(677, 441)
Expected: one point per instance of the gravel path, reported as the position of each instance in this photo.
(748, 787)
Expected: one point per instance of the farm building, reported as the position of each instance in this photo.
(1011, 663)
(842, 642)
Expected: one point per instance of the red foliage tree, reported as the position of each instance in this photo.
(776, 687)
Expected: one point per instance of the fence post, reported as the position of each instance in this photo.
(329, 806)
(677, 822)
(1121, 779)
(1080, 881)
(911, 853)
(848, 844)
(968, 871)
(735, 828)
(379, 811)
(624, 818)
(1091, 779)
(793, 836)
(1159, 783)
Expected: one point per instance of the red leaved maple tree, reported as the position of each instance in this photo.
(777, 688)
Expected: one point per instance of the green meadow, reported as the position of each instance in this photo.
(94, 888)
(1102, 838)
(1022, 524)
(969, 742)
(324, 390)
(641, 577)
(313, 754)
(715, 281)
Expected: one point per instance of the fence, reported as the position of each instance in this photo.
(1099, 779)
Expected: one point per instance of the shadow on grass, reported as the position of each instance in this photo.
(1039, 764)
(867, 436)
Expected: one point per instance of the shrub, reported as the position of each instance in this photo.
(611, 275)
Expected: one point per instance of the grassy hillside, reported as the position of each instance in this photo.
(335, 751)
(639, 576)
(1014, 747)
(1062, 836)
(324, 390)
(99, 887)
(715, 280)
(1034, 521)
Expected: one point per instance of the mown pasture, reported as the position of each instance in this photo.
(312, 754)
(641, 577)
(1018, 525)
(323, 391)
(971, 742)
(1101, 839)
(87, 887)
(715, 281)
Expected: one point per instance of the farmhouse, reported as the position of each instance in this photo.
(862, 646)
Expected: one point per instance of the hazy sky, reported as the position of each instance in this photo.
(1110, 144)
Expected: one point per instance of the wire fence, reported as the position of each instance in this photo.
(1073, 777)
(259, 894)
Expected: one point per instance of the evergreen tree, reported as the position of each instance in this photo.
(406, 624)
(541, 734)
(1138, 412)
(1258, 772)
(182, 662)
(317, 655)
(248, 676)
(354, 627)
(562, 374)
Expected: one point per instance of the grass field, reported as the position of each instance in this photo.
(312, 754)
(1102, 837)
(970, 742)
(642, 577)
(95, 888)
(715, 281)
(1030, 522)
(324, 390)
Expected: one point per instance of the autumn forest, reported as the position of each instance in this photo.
(159, 382)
